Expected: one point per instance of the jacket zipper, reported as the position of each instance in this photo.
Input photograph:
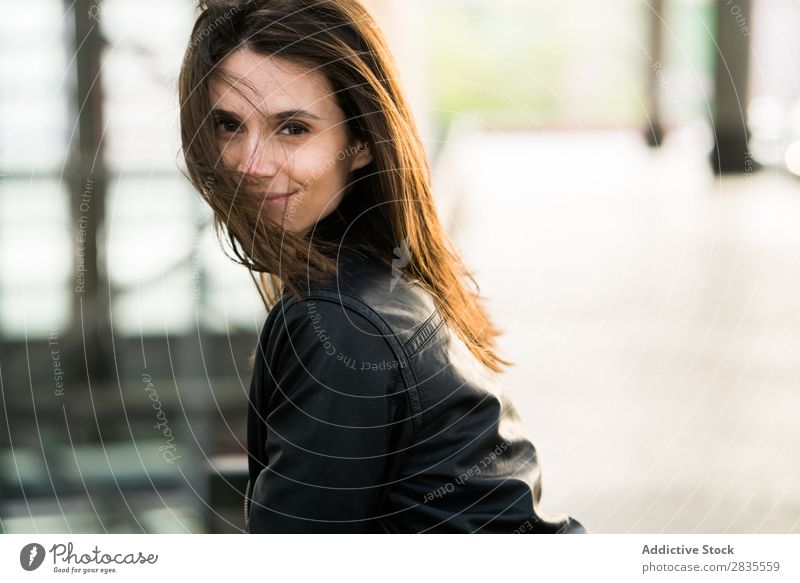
(246, 498)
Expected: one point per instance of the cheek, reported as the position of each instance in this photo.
(230, 152)
(323, 163)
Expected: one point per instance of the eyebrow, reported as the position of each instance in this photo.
(282, 115)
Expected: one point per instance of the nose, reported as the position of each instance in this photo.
(262, 157)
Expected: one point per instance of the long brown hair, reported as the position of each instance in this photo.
(341, 39)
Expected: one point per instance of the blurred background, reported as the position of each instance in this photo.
(623, 179)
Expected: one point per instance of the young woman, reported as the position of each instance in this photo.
(375, 401)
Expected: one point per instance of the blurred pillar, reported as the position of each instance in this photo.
(729, 115)
(655, 129)
(90, 316)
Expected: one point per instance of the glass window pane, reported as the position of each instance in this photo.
(140, 72)
(36, 257)
(34, 125)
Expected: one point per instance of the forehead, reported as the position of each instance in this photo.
(271, 83)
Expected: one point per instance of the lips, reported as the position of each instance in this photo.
(276, 199)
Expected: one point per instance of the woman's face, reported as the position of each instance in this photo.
(300, 147)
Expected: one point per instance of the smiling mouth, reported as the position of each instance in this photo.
(271, 198)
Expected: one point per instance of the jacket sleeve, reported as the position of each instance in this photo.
(328, 422)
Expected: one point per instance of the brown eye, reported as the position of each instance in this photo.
(228, 125)
(295, 129)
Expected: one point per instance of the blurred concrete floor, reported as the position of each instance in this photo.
(652, 310)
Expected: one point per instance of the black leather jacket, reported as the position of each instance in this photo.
(368, 414)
